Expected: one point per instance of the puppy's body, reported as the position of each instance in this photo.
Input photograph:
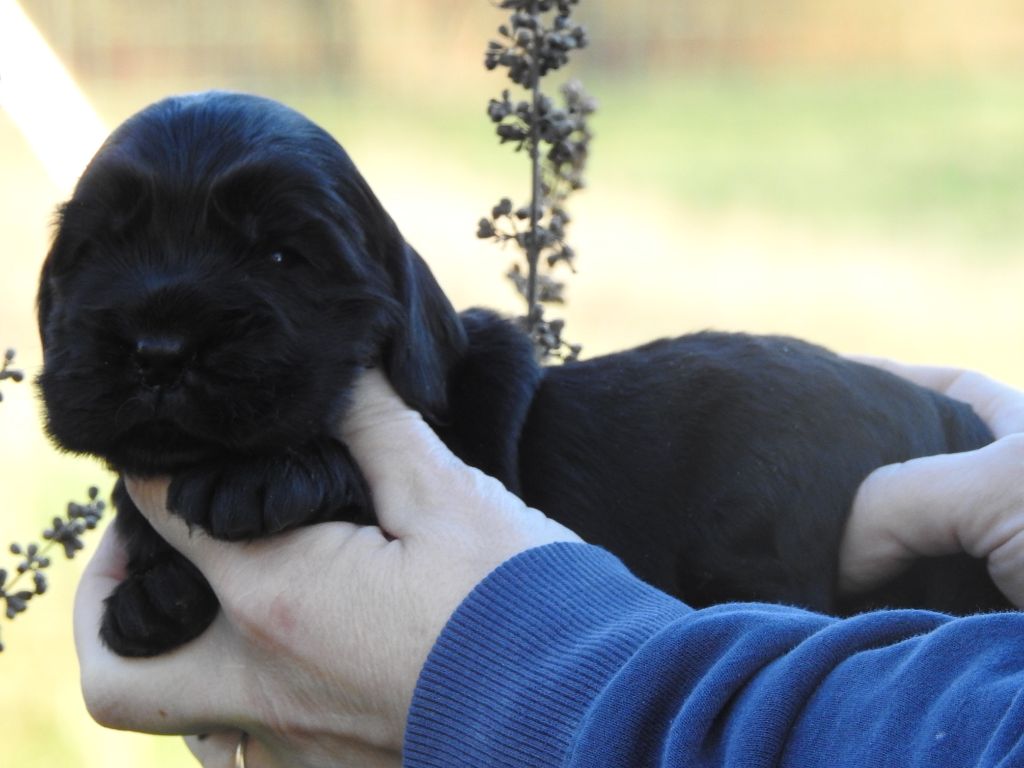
(718, 466)
(221, 275)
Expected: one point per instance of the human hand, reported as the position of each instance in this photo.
(969, 502)
(323, 630)
(999, 405)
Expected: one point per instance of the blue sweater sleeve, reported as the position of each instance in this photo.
(562, 658)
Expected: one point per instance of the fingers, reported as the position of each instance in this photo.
(421, 486)
(103, 572)
(167, 694)
(999, 405)
(938, 378)
(966, 502)
(893, 520)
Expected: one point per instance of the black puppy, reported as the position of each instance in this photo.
(221, 275)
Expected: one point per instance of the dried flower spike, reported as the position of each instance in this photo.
(537, 39)
(66, 532)
(34, 558)
(7, 372)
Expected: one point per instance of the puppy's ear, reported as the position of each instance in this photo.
(61, 254)
(428, 339)
(425, 337)
(45, 303)
(110, 199)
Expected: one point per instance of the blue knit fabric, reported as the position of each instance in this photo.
(562, 658)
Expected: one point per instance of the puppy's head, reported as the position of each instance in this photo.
(217, 279)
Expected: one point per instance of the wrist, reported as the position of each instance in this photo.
(513, 671)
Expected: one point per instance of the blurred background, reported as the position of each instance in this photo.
(852, 173)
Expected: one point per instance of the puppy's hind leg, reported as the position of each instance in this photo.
(164, 601)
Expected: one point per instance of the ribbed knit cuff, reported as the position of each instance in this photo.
(521, 659)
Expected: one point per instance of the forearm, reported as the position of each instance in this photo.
(562, 658)
(515, 670)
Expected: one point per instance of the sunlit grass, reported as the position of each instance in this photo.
(898, 156)
(921, 158)
(925, 157)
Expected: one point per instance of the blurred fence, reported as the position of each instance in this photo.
(338, 39)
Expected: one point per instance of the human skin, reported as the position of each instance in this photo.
(323, 630)
(970, 502)
(372, 598)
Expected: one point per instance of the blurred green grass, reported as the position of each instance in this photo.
(927, 156)
(872, 213)
(898, 156)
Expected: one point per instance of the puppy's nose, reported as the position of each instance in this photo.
(160, 359)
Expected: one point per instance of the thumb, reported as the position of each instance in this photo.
(398, 453)
(966, 502)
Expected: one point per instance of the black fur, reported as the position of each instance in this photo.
(222, 273)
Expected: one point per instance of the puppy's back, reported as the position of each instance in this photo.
(723, 466)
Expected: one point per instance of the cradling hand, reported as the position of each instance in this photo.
(323, 630)
(969, 502)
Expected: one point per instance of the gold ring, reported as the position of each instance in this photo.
(240, 750)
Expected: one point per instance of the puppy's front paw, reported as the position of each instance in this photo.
(158, 609)
(257, 496)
